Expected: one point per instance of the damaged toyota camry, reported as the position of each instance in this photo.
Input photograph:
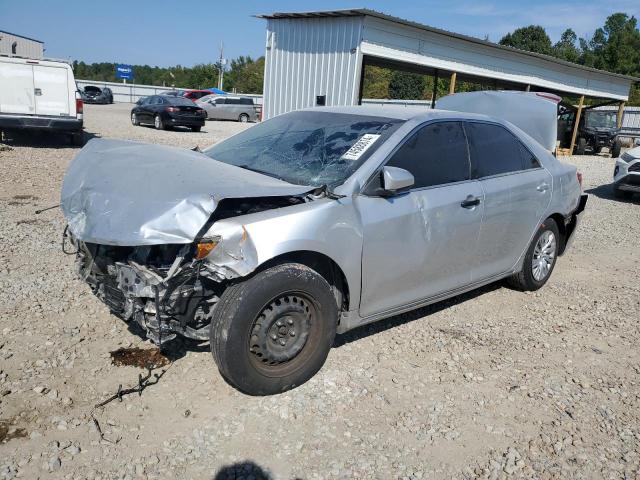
(310, 224)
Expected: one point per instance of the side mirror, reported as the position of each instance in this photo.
(395, 180)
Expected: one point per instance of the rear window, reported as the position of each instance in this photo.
(180, 101)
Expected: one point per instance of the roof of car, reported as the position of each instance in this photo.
(397, 112)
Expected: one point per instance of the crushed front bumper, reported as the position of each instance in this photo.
(164, 301)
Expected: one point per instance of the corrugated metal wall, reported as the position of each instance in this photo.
(25, 46)
(308, 57)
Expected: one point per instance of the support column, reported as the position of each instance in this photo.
(435, 90)
(452, 83)
(620, 114)
(575, 125)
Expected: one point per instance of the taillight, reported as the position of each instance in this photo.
(579, 175)
(79, 105)
(172, 109)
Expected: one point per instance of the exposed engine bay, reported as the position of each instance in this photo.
(169, 289)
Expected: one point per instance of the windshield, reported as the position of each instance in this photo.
(307, 148)
(601, 119)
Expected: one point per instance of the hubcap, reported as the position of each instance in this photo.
(157, 122)
(281, 330)
(133, 118)
(544, 254)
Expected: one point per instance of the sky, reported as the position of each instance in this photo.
(167, 33)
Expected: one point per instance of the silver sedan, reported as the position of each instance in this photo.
(311, 224)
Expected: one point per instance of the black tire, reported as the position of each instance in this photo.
(77, 139)
(134, 119)
(581, 146)
(622, 194)
(255, 314)
(195, 129)
(158, 123)
(525, 280)
(615, 150)
(243, 118)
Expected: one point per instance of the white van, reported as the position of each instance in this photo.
(39, 95)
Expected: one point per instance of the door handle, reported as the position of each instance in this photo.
(543, 187)
(470, 202)
(37, 91)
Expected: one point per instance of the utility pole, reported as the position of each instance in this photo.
(221, 76)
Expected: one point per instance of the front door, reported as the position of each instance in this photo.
(422, 243)
(517, 192)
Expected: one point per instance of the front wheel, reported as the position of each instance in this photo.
(540, 258)
(134, 119)
(273, 331)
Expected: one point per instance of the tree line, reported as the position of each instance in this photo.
(614, 47)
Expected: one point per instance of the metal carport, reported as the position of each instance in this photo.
(318, 58)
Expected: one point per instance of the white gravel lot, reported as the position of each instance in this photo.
(492, 384)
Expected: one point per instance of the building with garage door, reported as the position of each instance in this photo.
(12, 44)
(318, 58)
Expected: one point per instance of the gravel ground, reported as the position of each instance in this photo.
(492, 384)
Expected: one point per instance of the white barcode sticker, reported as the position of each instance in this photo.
(362, 145)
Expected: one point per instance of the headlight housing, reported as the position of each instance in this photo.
(625, 157)
(205, 246)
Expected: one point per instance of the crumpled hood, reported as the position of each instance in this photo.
(117, 192)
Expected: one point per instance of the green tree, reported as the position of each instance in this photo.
(533, 38)
(566, 48)
(376, 82)
(406, 85)
(251, 77)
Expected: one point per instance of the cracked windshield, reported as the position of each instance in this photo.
(307, 148)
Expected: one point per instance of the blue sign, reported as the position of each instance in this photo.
(124, 71)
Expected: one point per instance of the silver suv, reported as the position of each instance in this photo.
(626, 174)
(313, 223)
(227, 107)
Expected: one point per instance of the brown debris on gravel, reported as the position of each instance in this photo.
(8, 431)
(139, 357)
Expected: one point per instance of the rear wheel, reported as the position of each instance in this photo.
(539, 260)
(243, 118)
(273, 331)
(158, 123)
(581, 146)
(615, 150)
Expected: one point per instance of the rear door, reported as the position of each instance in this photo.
(517, 192)
(51, 90)
(16, 88)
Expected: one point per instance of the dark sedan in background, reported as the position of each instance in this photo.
(93, 94)
(164, 112)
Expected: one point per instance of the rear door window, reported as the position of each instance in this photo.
(220, 101)
(436, 155)
(493, 149)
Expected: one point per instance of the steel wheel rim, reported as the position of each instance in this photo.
(157, 121)
(243, 118)
(544, 254)
(288, 312)
(133, 118)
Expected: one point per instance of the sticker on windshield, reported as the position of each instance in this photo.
(362, 145)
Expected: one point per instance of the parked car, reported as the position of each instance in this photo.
(626, 174)
(40, 95)
(164, 112)
(226, 107)
(173, 93)
(195, 94)
(313, 223)
(597, 129)
(93, 94)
